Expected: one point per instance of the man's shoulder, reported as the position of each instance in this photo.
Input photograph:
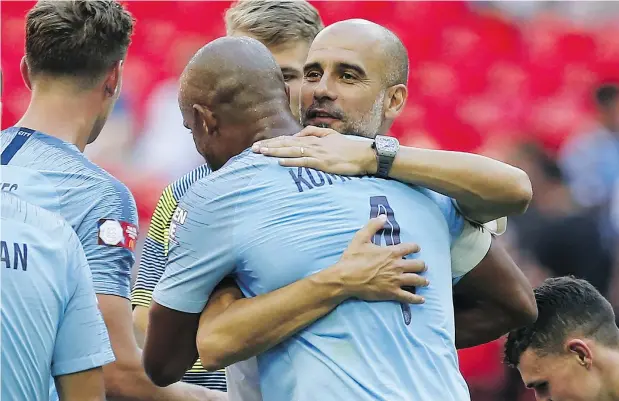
(96, 186)
(238, 173)
(21, 211)
(70, 171)
(179, 187)
(53, 228)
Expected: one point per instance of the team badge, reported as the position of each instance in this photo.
(117, 233)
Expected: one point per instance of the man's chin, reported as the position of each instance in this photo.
(321, 124)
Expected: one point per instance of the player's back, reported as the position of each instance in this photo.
(56, 176)
(287, 223)
(45, 278)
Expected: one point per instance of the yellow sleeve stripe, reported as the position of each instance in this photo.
(162, 216)
(198, 368)
(141, 298)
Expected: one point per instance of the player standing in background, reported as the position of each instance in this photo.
(572, 351)
(73, 66)
(50, 322)
(287, 28)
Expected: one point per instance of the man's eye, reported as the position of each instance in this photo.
(347, 77)
(312, 75)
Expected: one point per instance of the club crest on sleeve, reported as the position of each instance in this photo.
(117, 233)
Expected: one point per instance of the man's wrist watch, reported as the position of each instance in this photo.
(386, 148)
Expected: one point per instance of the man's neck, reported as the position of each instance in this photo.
(60, 115)
(611, 365)
(281, 124)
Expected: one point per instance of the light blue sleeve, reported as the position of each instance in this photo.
(455, 220)
(456, 224)
(82, 340)
(110, 262)
(201, 250)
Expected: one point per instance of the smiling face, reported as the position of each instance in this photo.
(343, 86)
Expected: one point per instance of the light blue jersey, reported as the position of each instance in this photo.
(50, 321)
(55, 175)
(269, 226)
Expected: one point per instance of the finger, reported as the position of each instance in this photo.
(413, 280)
(309, 162)
(408, 298)
(365, 234)
(405, 248)
(292, 151)
(281, 141)
(412, 265)
(315, 131)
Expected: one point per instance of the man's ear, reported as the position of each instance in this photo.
(205, 119)
(25, 72)
(113, 81)
(580, 350)
(395, 100)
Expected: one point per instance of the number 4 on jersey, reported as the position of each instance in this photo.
(391, 232)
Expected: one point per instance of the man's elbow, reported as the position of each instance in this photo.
(524, 310)
(161, 378)
(212, 353)
(161, 374)
(522, 192)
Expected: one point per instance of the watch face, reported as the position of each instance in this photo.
(387, 146)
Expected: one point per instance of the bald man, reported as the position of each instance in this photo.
(308, 219)
(372, 84)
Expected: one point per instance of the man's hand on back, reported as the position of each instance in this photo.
(376, 273)
(321, 149)
(365, 271)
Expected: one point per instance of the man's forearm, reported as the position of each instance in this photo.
(485, 189)
(492, 299)
(274, 317)
(480, 324)
(134, 385)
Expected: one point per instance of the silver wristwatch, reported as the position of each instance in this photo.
(386, 149)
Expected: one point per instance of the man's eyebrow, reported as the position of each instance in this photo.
(312, 66)
(348, 66)
(340, 66)
(289, 70)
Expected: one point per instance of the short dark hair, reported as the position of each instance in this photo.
(77, 38)
(606, 95)
(566, 305)
(274, 22)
